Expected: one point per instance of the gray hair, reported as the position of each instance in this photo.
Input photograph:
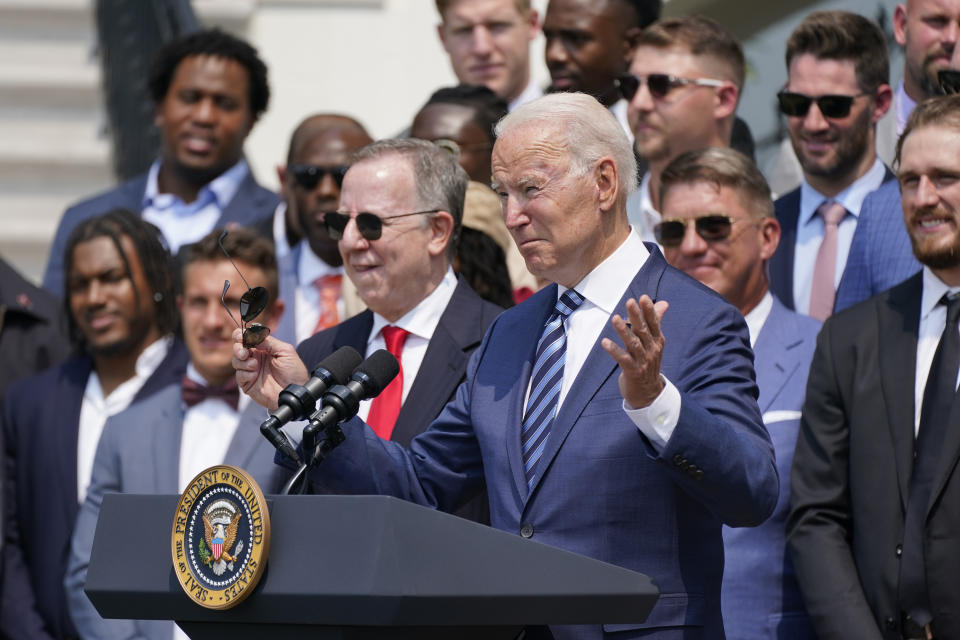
(589, 131)
(723, 167)
(441, 182)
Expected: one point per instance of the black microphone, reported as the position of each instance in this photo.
(342, 401)
(299, 401)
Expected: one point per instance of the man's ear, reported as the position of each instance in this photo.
(441, 229)
(900, 24)
(882, 100)
(769, 237)
(727, 97)
(607, 183)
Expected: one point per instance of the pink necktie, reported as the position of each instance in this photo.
(822, 293)
(386, 407)
(329, 289)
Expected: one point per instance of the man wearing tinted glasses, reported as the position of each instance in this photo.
(718, 226)
(312, 280)
(683, 86)
(836, 91)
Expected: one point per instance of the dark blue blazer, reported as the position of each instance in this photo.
(41, 417)
(880, 255)
(604, 491)
(787, 210)
(761, 597)
(249, 205)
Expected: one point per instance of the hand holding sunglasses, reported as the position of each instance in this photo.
(252, 304)
(796, 105)
(370, 225)
(659, 84)
(711, 227)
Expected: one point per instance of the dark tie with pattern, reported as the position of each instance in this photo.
(545, 383)
(938, 397)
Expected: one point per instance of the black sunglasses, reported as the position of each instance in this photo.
(370, 225)
(252, 303)
(711, 227)
(659, 84)
(949, 80)
(309, 176)
(796, 105)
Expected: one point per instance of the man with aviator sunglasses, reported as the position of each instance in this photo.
(836, 92)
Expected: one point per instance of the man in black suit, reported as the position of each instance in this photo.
(209, 89)
(415, 190)
(873, 527)
(836, 91)
(121, 314)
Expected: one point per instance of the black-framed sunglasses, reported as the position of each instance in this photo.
(949, 80)
(659, 84)
(309, 176)
(711, 227)
(252, 304)
(370, 225)
(796, 105)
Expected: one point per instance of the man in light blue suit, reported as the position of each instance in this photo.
(158, 445)
(719, 226)
(641, 456)
(880, 254)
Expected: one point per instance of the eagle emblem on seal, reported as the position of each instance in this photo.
(220, 521)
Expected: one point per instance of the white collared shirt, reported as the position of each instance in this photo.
(757, 317)
(903, 106)
(531, 93)
(933, 318)
(183, 223)
(279, 228)
(619, 111)
(640, 212)
(95, 408)
(307, 305)
(810, 230)
(421, 322)
(208, 429)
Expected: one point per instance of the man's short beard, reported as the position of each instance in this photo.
(941, 258)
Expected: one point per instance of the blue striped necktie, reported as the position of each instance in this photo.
(545, 383)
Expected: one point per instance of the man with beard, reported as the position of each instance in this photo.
(880, 254)
(312, 280)
(683, 86)
(209, 89)
(836, 91)
(121, 315)
(873, 527)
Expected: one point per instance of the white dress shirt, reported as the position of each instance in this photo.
(307, 303)
(757, 317)
(183, 223)
(279, 229)
(933, 317)
(810, 230)
(95, 408)
(531, 93)
(903, 106)
(640, 212)
(421, 322)
(208, 429)
(619, 111)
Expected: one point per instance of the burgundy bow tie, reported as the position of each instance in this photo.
(195, 393)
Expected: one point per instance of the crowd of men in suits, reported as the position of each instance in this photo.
(746, 435)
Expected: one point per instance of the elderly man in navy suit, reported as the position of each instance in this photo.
(593, 426)
(718, 226)
(210, 88)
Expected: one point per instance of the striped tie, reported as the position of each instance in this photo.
(545, 383)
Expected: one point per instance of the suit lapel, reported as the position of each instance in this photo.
(287, 327)
(246, 438)
(72, 384)
(781, 265)
(166, 431)
(776, 342)
(899, 321)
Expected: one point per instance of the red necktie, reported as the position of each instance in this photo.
(194, 393)
(329, 289)
(386, 407)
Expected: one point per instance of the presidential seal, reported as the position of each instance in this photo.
(221, 537)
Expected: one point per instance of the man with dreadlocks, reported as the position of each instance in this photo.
(121, 316)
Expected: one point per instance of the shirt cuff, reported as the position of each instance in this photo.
(658, 420)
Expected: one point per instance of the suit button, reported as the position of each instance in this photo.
(526, 530)
(678, 460)
(899, 550)
(698, 475)
(891, 623)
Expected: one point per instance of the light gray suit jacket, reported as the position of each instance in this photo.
(139, 452)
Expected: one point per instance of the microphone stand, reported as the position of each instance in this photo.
(330, 438)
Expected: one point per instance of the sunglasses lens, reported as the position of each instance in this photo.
(835, 106)
(369, 225)
(338, 173)
(307, 176)
(713, 227)
(252, 303)
(335, 224)
(659, 85)
(628, 85)
(254, 334)
(949, 81)
(794, 105)
(669, 233)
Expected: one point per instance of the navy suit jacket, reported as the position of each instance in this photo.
(761, 598)
(41, 417)
(139, 452)
(249, 205)
(880, 255)
(787, 209)
(604, 491)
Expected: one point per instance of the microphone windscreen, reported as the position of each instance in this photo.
(341, 363)
(381, 367)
